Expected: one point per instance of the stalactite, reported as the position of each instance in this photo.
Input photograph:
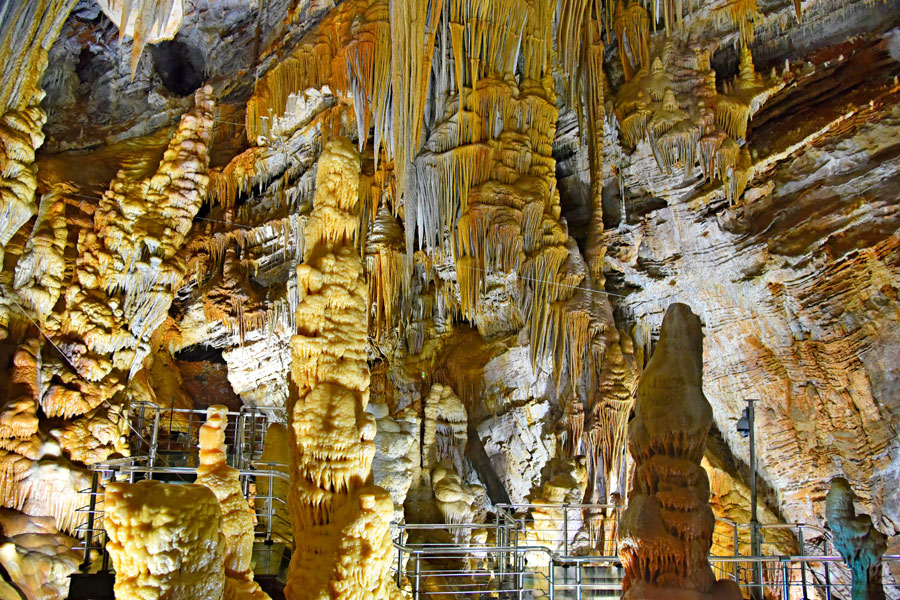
(632, 27)
(390, 281)
(146, 21)
(745, 14)
(648, 108)
(39, 273)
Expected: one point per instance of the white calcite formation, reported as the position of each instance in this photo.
(165, 541)
(516, 160)
(396, 453)
(445, 432)
(335, 513)
(666, 530)
(457, 501)
(551, 525)
(36, 479)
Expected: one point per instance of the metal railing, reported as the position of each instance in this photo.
(165, 446)
(159, 431)
(567, 529)
(518, 558)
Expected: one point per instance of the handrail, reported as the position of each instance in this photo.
(469, 550)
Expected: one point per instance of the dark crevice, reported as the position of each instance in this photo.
(200, 353)
(180, 66)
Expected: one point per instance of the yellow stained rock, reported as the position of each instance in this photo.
(165, 541)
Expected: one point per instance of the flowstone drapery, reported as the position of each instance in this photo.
(666, 531)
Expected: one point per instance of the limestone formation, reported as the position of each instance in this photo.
(335, 514)
(38, 558)
(666, 530)
(146, 21)
(276, 456)
(857, 539)
(238, 519)
(165, 540)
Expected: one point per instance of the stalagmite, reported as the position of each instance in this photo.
(335, 514)
(237, 516)
(277, 450)
(566, 486)
(857, 539)
(165, 541)
(456, 501)
(666, 531)
(445, 431)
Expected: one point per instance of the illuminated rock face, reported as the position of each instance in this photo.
(666, 531)
(341, 535)
(165, 541)
(857, 539)
(38, 558)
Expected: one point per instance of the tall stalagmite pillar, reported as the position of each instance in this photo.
(666, 531)
(341, 523)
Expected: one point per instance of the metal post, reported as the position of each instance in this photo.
(827, 578)
(252, 430)
(566, 529)
(737, 552)
(89, 532)
(140, 427)
(552, 586)
(399, 566)
(153, 442)
(802, 563)
(754, 523)
(786, 584)
(517, 576)
(578, 581)
(416, 588)
(270, 511)
(501, 555)
(239, 442)
(190, 436)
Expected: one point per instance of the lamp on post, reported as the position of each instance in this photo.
(745, 427)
